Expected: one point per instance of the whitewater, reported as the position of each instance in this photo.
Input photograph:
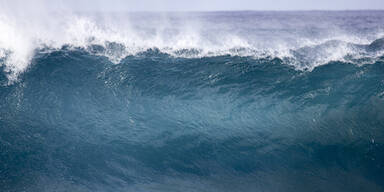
(191, 101)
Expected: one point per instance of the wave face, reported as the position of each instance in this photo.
(256, 101)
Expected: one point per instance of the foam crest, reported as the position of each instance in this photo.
(15, 48)
(119, 36)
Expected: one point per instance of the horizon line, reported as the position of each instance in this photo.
(235, 10)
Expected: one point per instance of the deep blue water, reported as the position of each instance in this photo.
(153, 121)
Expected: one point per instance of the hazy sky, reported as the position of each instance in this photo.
(196, 5)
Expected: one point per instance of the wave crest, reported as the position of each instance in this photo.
(117, 40)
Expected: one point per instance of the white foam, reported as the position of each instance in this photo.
(17, 45)
(22, 34)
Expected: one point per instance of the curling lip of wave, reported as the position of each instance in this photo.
(303, 58)
(18, 46)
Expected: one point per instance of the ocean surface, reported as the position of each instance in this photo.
(192, 102)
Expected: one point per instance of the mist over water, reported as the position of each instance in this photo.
(192, 34)
(195, 101)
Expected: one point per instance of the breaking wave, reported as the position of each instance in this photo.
(224, 101)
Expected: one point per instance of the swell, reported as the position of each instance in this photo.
(77, 121)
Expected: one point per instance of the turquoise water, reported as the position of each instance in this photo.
(186, 121)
